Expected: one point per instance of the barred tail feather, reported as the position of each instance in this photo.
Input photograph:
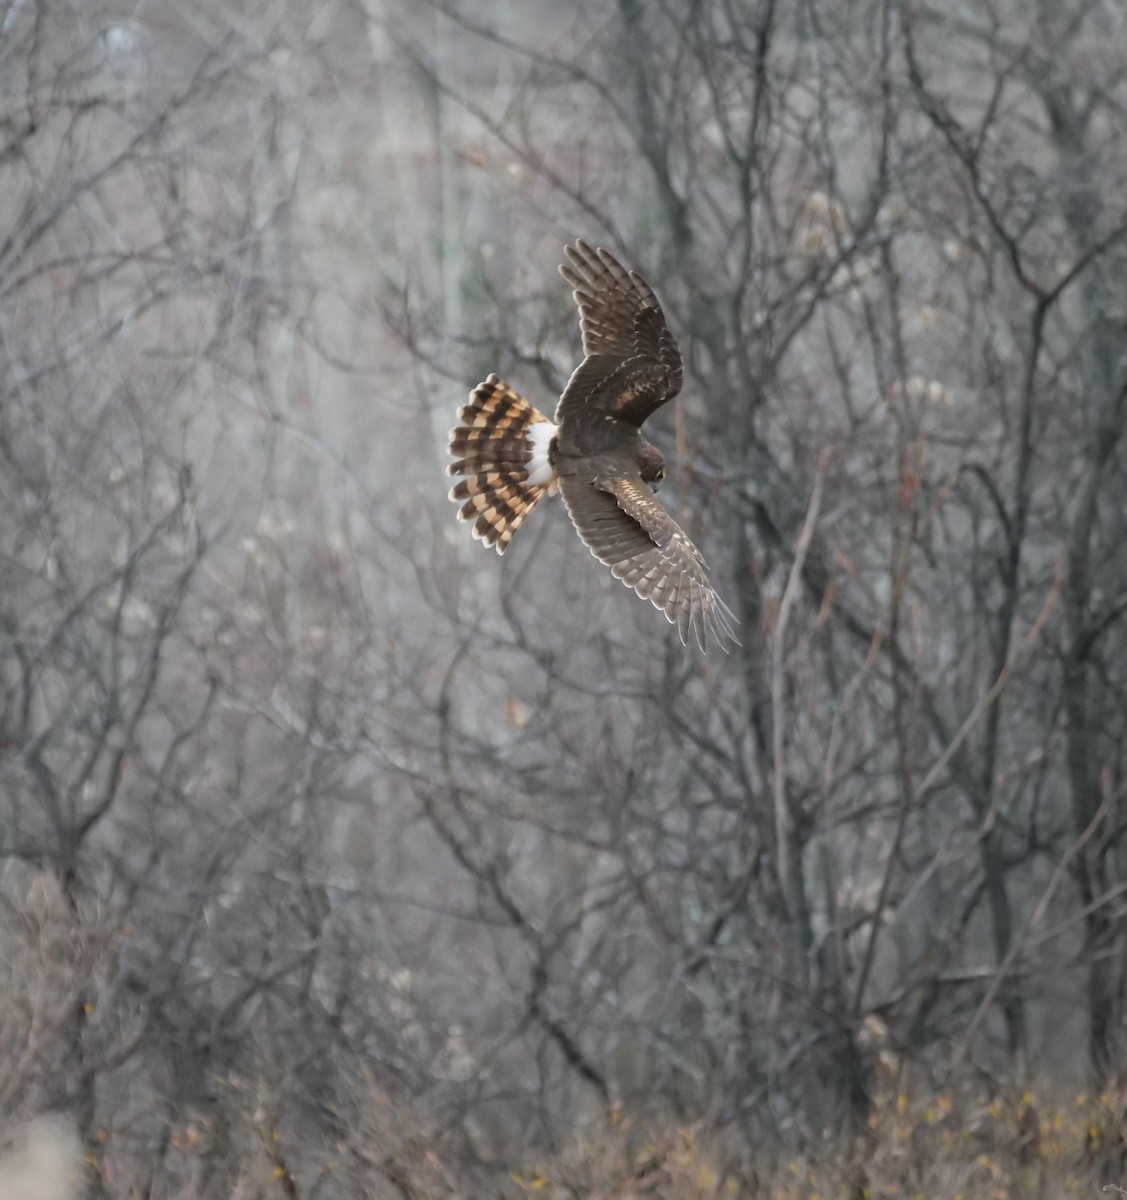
(501, 450)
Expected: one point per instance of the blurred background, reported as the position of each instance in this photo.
(339, 857)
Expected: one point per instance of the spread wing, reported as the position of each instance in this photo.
(624, 527)
(632, 364)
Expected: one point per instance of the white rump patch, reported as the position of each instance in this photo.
(540, 470)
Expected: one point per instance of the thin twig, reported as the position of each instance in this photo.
(1034, 919)
(784, 823)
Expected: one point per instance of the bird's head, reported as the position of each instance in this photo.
(653, 465)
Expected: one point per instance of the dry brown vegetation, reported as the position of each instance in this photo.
(970, 1145)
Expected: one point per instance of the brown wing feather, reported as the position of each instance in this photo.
(632, 364)
(625, 528)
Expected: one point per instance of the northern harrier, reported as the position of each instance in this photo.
(509, 454)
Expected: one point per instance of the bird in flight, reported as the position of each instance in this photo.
(508, 455)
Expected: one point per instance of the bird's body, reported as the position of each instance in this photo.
(509, 455)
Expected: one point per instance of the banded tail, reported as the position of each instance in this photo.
(502, 453)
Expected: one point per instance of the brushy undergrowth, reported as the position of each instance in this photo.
(958, 1145)
(950, 1146)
